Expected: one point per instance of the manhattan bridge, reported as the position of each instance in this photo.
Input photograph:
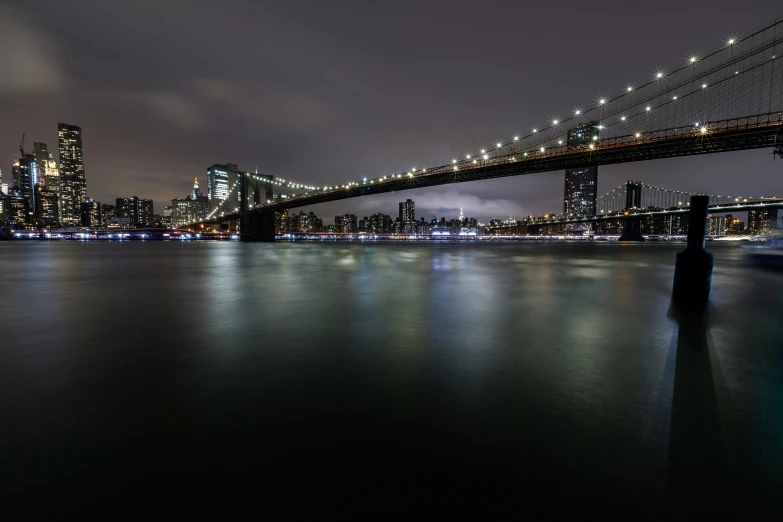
(728, 99)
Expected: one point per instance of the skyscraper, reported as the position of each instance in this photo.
(762, 220)
(73, 185)
(191, 209)
(407, 216)
(581, 185)
(134, 211)
(219, 177)
(48, 172)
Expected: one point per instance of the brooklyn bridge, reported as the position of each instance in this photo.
(729, 99)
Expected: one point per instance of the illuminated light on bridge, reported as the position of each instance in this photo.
(602, 101)
(693, 59)
(577, 112)
(659, 75)
(628, 89)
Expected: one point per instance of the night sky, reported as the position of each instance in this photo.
(326, 92)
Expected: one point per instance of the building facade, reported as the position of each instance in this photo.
(134, 211)
(91, 213)
(346, 224)
(762, 220)
(219, 178)
(407, 216)
(190, 209)
(73, 184)
(581, 185)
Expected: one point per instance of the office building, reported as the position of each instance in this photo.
(346, 224)
(380, 224)
(18, 211)
(48, 170)
(134, 211)
(107, 214)
(717, 225)
(219, 179)
(407, 216)
(762, 220)
(46, 207)
(190, 209)
(91, 213)
(73, 184)
(735, 228)
(581, 184)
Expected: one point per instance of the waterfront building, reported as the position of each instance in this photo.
(581, 184)
(219, 178)
(46, 206)
(134, 211)
(380, 224)
(735, 228)
(73, 184)
(762, 220)
(191, 209)
(407, 217)
(107, 213)
(91, 213)
(346, 223)
(167, 211)
(717, 225)
(18, 212)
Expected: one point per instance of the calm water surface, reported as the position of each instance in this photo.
(390, 374)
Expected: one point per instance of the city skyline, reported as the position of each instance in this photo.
(189, 122)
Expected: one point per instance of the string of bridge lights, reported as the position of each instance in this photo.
(601, 104)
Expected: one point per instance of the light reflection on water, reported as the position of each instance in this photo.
(558, 358)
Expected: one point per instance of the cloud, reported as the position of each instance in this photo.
(448, 204)
(290, 109)
(28, 60)
(168, 105)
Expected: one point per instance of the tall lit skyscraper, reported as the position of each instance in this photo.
(408, 216)
(581, 185)
(762, 221)
(218, 180)
(49, 172)
(73, 185)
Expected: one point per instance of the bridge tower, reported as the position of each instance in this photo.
(256, 221)
(632, 224)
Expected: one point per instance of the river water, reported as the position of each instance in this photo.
(377, 376)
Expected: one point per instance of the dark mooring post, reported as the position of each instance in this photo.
(693, 268)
